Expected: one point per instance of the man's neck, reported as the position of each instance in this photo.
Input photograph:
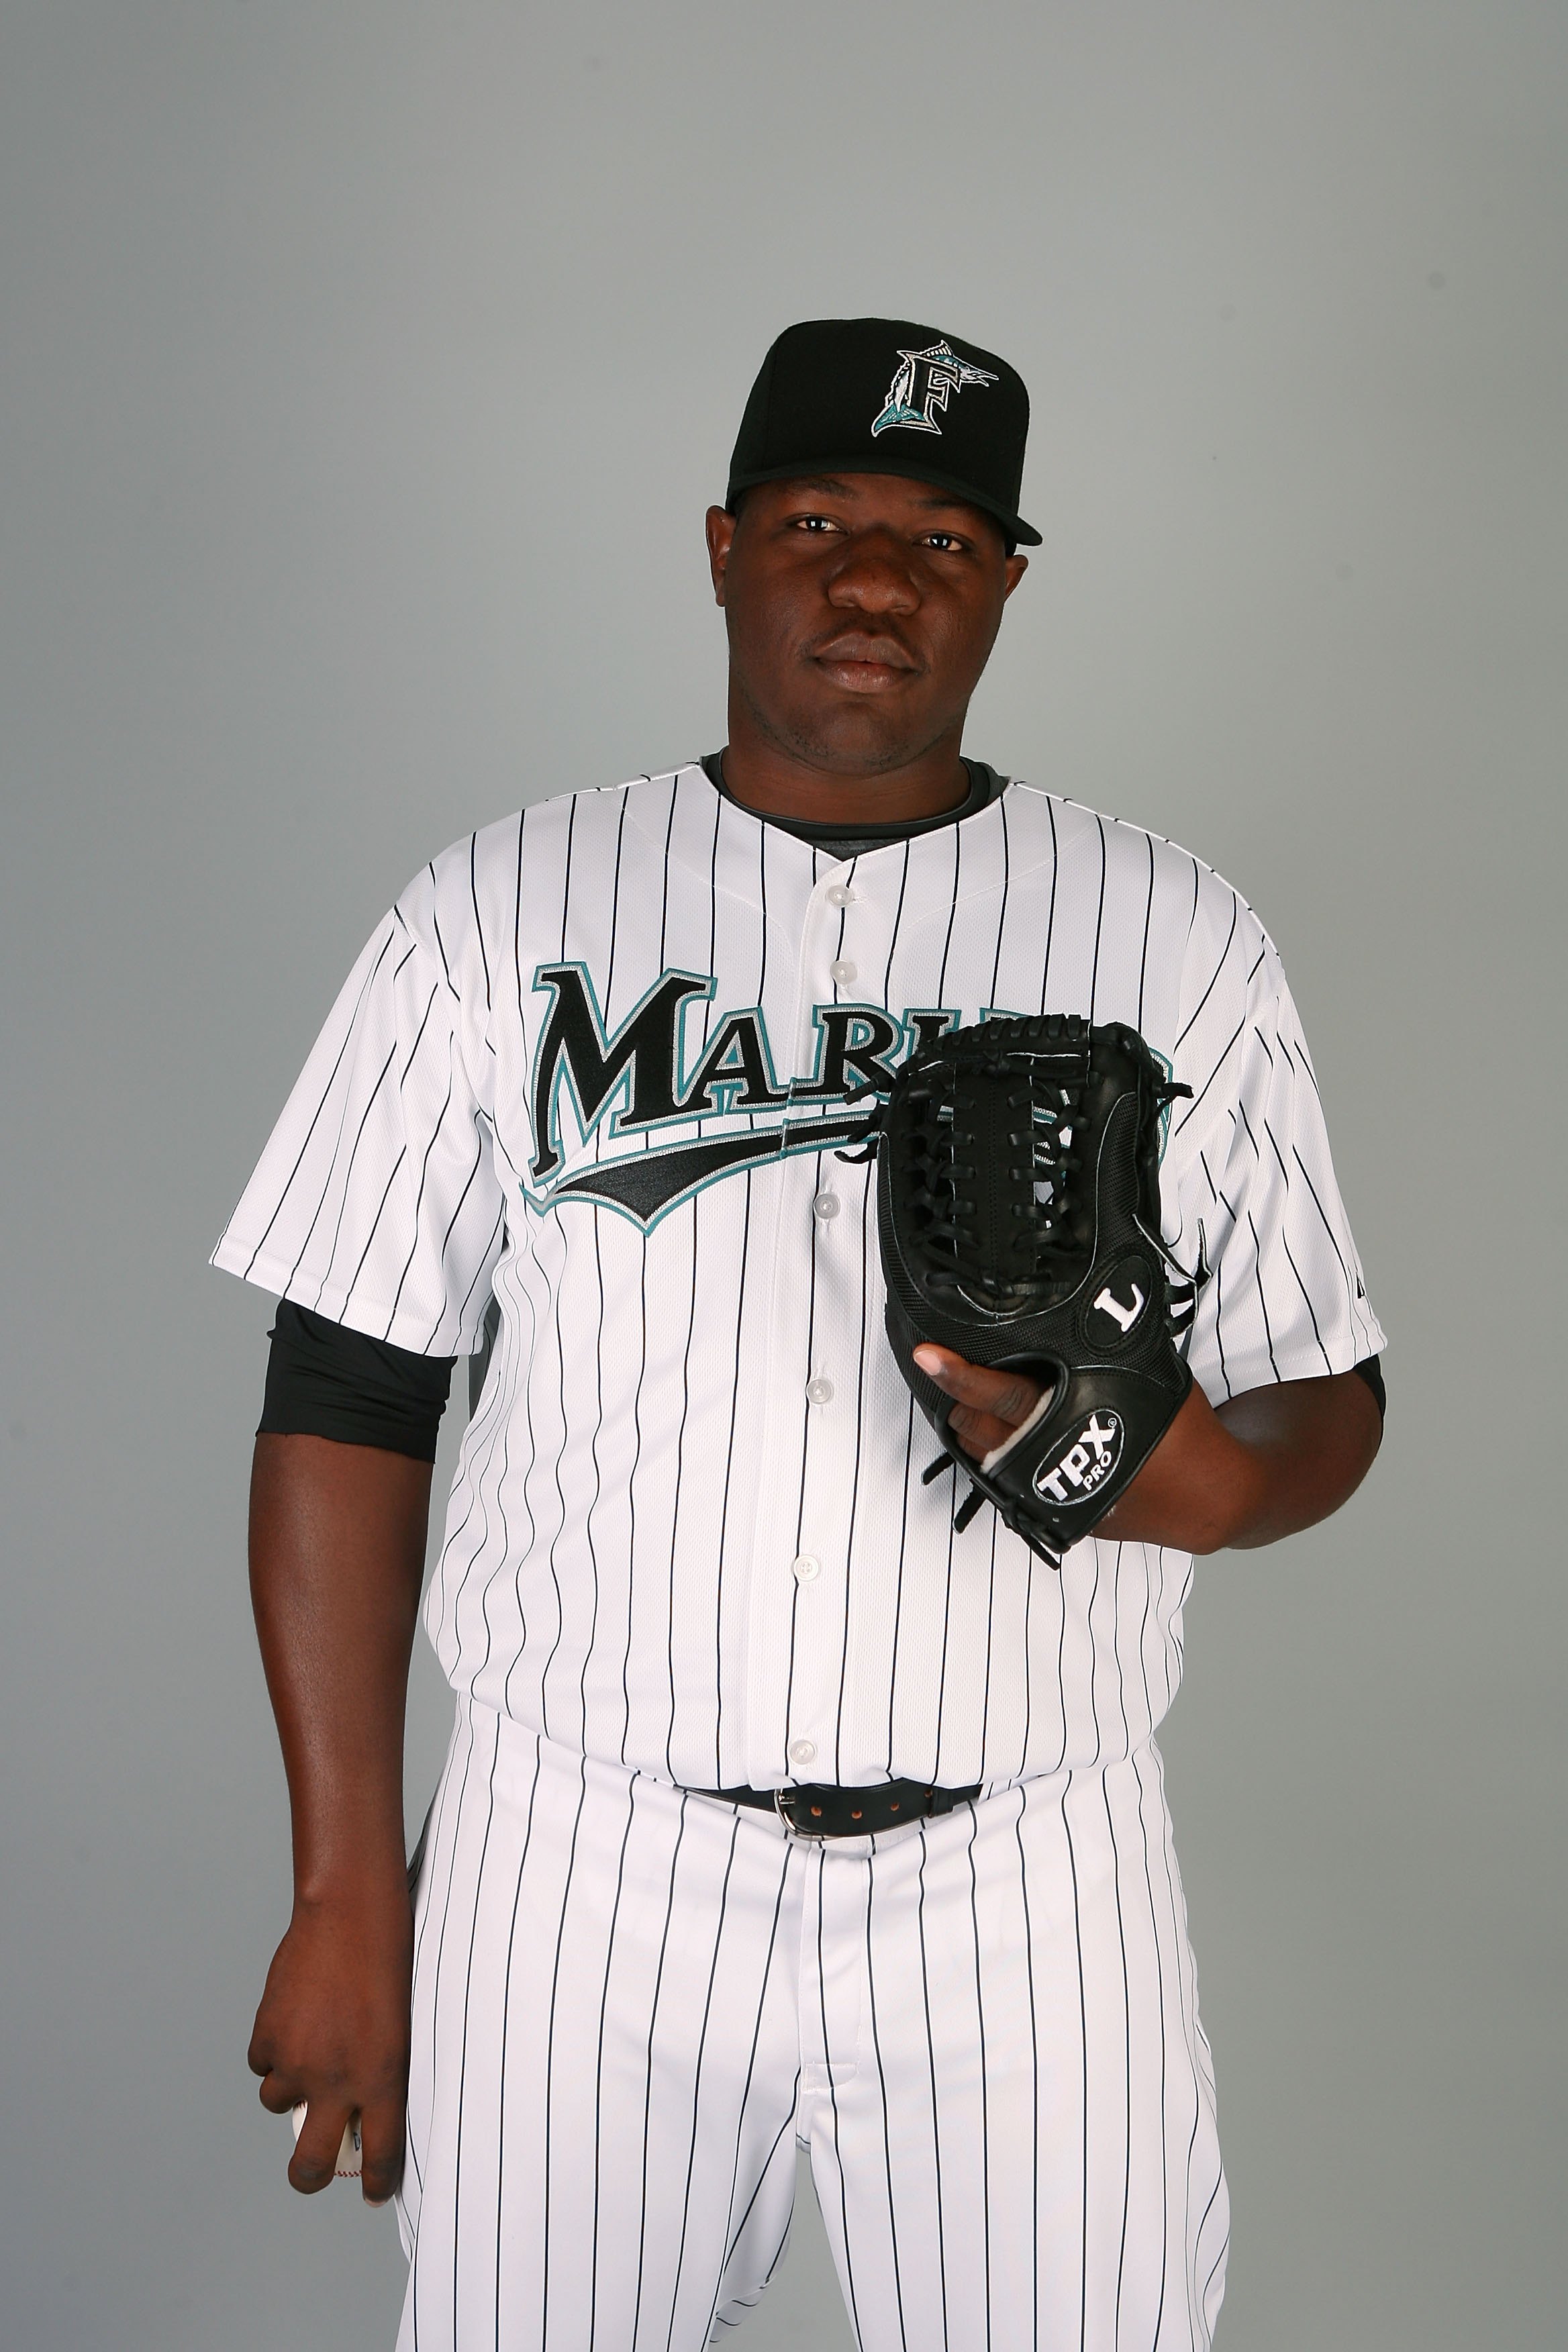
(773, 781)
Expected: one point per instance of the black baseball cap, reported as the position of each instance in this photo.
(886, 396)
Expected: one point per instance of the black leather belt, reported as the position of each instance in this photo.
(816, 1811)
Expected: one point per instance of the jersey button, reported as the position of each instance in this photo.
(802, 1751)
(807, 1570)
(842, 972)
(840, 895)
(826, 1205)
(819, 1391)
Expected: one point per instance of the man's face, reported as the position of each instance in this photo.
(860, 609)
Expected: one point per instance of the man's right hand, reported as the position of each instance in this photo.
(332, 2029)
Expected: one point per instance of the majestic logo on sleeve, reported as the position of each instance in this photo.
(924, 383)
(654, 1116)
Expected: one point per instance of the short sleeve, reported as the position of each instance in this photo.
(1285, 1299)
(376, 1202)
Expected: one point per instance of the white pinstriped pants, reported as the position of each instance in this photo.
(630, 2002)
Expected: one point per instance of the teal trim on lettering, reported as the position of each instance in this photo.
(617, 1101)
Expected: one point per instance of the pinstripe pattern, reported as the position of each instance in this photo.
(631, 2001)
(617, 1570)
(687, 1547)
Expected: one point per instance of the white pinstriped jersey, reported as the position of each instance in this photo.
(598, 1055)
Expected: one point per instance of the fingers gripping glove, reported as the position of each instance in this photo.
(1018, 1207)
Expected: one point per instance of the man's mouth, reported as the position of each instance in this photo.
(865, 664)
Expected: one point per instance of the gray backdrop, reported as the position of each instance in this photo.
(367, 370)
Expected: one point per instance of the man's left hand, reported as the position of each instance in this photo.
(1266, 1464)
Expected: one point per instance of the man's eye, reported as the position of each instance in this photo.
(815, 523)
(944, 542)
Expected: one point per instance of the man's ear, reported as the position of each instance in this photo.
(1017, 567)
(720, 529)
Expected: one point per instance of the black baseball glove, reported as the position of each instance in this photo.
(1018, 1203)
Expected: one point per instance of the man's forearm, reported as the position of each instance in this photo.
(337, 1555)
(1315, 1441)
(1265, 1464)
(337, 1552)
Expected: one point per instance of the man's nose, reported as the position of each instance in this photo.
(874, 579)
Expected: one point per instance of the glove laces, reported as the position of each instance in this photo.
(1030, 1193)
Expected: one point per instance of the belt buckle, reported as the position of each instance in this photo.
(807, 1837)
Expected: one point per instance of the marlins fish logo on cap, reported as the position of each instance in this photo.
(923, 381)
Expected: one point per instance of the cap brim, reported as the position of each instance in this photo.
(900, 463)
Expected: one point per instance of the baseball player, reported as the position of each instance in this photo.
(779, 1811)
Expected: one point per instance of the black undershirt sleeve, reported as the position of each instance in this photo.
(1370, 1370)
(325, 1381)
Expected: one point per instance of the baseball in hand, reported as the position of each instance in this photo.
(350, 2155)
